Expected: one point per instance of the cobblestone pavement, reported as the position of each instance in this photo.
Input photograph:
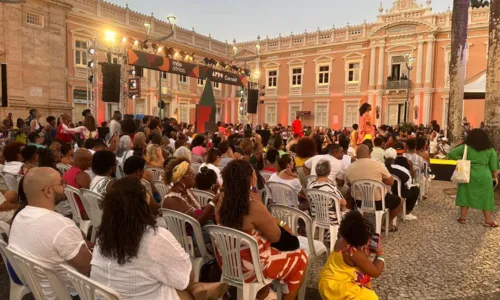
(433, 257)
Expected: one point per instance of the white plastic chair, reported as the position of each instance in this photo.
(35, 271)
(202, 197)
(91, 202)
(266, 175)
(283, 194)
(313, 248)
(87, 288)
(195, 167)
(417, 180)
(399, 185)
(162, 188)
(12, 181)
(320, 204)
(176, 224)
(147, 185)
(310, 179)
(368, 190)
(119, 170)
(17, 291)
(302, 176)
(157, 173)
(71, 194)
(63, 168)
(229, 242)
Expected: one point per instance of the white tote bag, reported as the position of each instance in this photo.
(462, 171)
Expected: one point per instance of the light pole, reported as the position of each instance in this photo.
(256, 74)
(410, 60)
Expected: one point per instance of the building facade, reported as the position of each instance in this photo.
(331, 72)
(328, 73)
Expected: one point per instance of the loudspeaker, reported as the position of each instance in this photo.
(139, 72)
(253, 100)
(111, 74)
(3, 94)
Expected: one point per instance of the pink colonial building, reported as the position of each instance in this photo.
(328, 73)
(331, 72)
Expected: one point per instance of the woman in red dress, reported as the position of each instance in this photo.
(365, 122)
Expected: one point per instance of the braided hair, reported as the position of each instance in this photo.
(236, 203)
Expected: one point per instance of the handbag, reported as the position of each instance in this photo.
(287, 242)
(462, 171)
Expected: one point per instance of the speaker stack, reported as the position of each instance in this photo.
(111, 74)
(253, 100)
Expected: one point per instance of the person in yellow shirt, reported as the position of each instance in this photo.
(305, 149)
(348, 271)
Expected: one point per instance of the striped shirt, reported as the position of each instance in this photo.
(331, 189)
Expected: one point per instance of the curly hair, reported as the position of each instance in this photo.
(355, 229)
(103, 161)
(169, 168)
(198, 140)
(364, 108)
(129, 126)
(306, 147)
(236, 177)
(205, 179)
(125, 217)
(478, 139)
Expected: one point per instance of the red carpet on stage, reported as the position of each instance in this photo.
(202, 116)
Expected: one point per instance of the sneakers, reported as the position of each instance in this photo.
(410, 217)
(208, 291)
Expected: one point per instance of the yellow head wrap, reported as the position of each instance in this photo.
(367, 137)
(179, 171)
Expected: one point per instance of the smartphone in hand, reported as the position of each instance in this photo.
(374, 242)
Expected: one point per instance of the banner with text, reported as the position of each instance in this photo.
(165, 64)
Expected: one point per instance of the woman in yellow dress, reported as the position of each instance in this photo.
(348, 271)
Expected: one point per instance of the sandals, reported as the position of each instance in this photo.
(492, 224)
(461, 220)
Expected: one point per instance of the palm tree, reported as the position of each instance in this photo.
(492, 105)
(460, 22)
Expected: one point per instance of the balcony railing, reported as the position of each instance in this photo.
(397, 84)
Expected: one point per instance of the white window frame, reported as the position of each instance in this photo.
(185, 81)
(187, 105)
(353, 103)
(348, 70)
(292, 103)
(318, 103)
(201, 82)
(218, 116)
(40, 22)
(268, 77)
(296, 76)
(216, 85)
(82, 52)
(319, 73)
(164, 75)
(268, 105)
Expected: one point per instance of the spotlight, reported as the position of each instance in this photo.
(160, 49)
(221, 64)
(91, 79)
(134, 96)
(170, 52)
(124, 39)
(176, 54)
(136, 43)
(182, 54)
(91, 51)
(132, 72)
(247, 71)
(206, 60)
(144, 45)
(90, 64)
(235, 68)
(154, 46)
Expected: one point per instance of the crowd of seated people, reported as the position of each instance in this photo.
(227, 165)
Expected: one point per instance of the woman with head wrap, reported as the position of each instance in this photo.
(180, 176)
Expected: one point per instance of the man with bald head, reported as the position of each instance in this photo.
(39, 232)
(77, 177)
(365, 168)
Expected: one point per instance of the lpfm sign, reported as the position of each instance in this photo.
(224, 77)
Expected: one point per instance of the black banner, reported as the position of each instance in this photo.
(165, 64)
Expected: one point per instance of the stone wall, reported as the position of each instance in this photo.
(35, 57)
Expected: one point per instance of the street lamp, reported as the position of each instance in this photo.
(410, 60)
